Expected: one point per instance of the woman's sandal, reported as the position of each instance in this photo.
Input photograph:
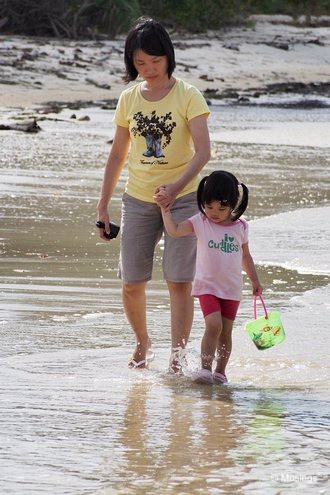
(144, 363)
(137, 364)
(150, 356)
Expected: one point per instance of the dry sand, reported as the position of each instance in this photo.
(34, 71)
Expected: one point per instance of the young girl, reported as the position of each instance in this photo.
(222, 252)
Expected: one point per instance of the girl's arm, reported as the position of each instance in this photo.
(200, 136)
(250, 270)
(176, 229)
(113, 168)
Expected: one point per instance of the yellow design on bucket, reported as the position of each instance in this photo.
(265, 331)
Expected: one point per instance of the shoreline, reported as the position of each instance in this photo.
(237, 63)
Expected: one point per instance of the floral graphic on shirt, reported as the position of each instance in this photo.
(154, 128)
(226, 245)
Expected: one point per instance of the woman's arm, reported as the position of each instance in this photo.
(201, 139)
(250, 270)
(113, 168)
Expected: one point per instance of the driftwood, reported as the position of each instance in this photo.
(97, 84)
(25, 126)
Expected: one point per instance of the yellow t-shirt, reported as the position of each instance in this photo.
(161, 144)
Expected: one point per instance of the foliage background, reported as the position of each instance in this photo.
(94, 18)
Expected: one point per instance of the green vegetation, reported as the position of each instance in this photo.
(92, 18)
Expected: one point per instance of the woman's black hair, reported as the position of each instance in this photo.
(151, 37)
(223, 186)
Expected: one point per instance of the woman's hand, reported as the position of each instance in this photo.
(165, 195)
(103, 217)
(161, 199)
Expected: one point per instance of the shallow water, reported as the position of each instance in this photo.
(74, 419)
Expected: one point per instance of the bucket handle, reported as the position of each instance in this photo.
(255, 306)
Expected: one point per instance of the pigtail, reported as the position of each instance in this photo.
(242, 205)
(200, 191)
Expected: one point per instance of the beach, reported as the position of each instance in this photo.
(73, 418)
(270, 56)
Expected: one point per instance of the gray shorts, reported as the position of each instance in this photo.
(141, 230)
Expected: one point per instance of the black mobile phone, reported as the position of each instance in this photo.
(114, 229)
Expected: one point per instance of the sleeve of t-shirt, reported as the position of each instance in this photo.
(196, 104)
(195, 222)
(245, 237)
(120, 116)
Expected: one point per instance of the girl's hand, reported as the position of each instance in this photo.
(165, 195)
(257, 289)
(161, 199)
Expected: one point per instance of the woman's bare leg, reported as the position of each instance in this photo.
(134, 300)
(182, 314)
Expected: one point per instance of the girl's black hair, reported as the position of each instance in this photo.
(223, 186)
(151, 37)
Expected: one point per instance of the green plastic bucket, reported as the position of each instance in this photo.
(265, 331)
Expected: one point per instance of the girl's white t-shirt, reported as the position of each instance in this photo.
(219, 257)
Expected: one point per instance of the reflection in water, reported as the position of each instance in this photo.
(172, 448)
(181, 438)
(264, 435)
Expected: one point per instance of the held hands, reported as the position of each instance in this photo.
(161, 199)
(165, 196)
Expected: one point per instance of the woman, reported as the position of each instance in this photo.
(163, 121)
